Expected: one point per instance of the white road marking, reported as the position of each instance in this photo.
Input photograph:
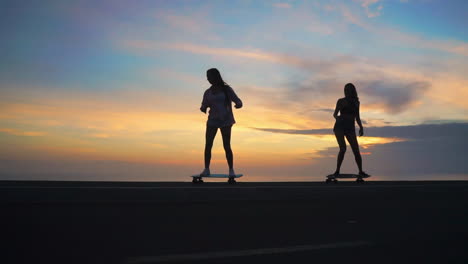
(241, 253)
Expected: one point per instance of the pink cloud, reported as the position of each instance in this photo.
(198, 49)
(196, 23)
(402, 38)
(338, 63)
(282, 5)
(186, 23)
(368, 6)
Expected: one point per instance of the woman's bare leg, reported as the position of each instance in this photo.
(342, 144)
(352, 139)
(209, 138)
(226, 133)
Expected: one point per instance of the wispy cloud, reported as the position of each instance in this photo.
(333, 64)
(319, 27)
(201, 49)
(414, 132)
(401, 38)
(17, 132)
(372, 7)
(196, 23)
(282, 5)
(100, 135)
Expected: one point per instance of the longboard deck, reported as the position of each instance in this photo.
(345, 176)
(216, 175)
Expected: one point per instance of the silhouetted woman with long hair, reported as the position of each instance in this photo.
(348, 107)
(218, 98)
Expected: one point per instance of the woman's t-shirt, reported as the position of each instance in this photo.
(218, 106)
(220, 113)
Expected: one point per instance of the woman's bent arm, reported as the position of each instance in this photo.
(204, 104)
(358, 120)
(337, 109)
(235, 98)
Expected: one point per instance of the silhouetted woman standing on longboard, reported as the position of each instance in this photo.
(348, 107)
(218, 98)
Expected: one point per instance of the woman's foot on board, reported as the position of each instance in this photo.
(335, 174)
(232, 176)
(363, 174)
(205, 172)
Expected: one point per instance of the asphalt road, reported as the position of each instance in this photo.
(110, 222)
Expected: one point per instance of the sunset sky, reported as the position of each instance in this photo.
(111, 90)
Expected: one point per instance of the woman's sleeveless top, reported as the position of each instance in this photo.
(345, 121)
(350, 108)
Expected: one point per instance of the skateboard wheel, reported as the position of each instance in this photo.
(197, 180)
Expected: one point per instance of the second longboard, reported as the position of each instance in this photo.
(199, 178)
(334, 177)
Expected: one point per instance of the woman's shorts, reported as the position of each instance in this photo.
(345, 125)
(218, 123)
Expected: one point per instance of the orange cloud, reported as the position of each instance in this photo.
(100, 135)
(17, 132)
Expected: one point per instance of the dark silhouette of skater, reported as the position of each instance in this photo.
(218, 98)
(348, 107)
